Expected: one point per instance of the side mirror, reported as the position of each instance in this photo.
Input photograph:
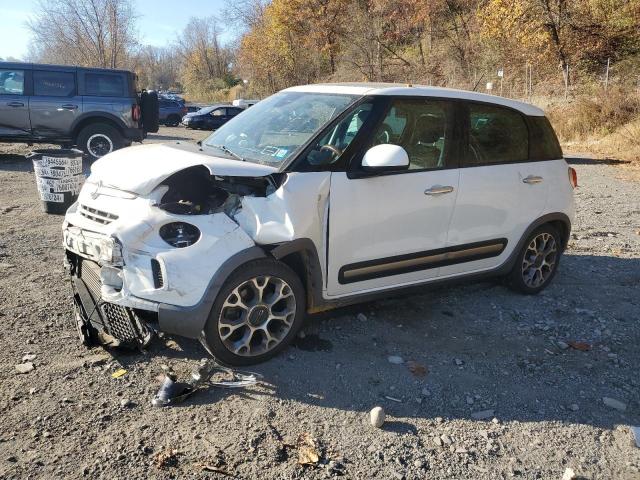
(385, 157)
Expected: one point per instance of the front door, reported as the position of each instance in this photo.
(14, 104)
(389, 229)
(55, 103)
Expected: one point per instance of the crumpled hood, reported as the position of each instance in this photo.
(140, 169)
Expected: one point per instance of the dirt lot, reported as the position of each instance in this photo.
(484, 349)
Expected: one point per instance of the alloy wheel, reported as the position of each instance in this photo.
(539, 260)
(257, 315)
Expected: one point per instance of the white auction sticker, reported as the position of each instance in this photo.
(59, 162)
(50, 172)
(52, 197)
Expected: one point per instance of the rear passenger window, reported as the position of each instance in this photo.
(11, 82)
(420, 127)
(103, 85)
(543, 143)
(54, 84)
(496, 135)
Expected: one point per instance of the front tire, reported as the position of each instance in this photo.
(537, 262)
(258, 312)
(99, 139)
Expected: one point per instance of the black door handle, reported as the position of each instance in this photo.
(15, 104)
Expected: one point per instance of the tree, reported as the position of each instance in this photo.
(96, 33)
(205, 63)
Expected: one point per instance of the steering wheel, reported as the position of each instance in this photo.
(335, 150)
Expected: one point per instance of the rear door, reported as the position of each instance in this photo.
(501, 190)
(14, 103)
(108, 92)
(55, 103)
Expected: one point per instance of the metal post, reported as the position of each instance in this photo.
(606, 76)
(566, 82)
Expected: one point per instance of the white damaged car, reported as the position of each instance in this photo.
(316, 197)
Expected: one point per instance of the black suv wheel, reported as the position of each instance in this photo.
(98, 139)
(259, 310)
(172, 121)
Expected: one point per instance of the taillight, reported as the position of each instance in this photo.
(135, 112)
(184, 110)
(573, 177)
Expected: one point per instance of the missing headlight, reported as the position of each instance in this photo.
(180, 234)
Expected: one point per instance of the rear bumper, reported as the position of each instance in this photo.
(134, 134)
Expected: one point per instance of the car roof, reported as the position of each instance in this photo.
(399, 89)
(47, 66)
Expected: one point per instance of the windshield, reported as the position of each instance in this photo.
(204, 110)
(274, 129)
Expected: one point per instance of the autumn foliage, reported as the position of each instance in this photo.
(458, 43)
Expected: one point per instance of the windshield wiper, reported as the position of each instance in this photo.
(227, 151)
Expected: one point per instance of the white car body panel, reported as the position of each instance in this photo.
(376, 224)
(394, 89)
(140, 169)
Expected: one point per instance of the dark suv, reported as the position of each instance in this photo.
(96, 109)
(171, 111)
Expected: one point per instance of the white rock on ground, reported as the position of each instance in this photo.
(377, 416)
(24, 367)
(613, 403)
(569, 474)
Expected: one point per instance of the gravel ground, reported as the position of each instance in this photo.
(488, 385)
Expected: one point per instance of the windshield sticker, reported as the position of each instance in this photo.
(270, 150)
(281, 153)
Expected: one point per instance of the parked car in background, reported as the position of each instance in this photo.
(98, 110)
(211, 118)
(194, 108)
(319, 196)
(171, 112)
(242, 103)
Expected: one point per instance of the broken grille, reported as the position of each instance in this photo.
(98, 216)
(119, 323)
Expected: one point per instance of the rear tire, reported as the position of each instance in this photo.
(172, 121)
(537, 262)
(99, 139)
(258, 312)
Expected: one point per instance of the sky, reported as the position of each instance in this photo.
(158, 21)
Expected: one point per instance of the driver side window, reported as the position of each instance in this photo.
(330, 147)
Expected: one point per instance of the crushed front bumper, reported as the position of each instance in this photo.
(101, 322)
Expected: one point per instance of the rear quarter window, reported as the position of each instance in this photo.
(543, 142)
(104, 85)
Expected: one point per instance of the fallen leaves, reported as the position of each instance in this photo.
(417, 369)
(214, 469)
(119, 373)
(582, 346)
(308, 449)
(167, 458)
